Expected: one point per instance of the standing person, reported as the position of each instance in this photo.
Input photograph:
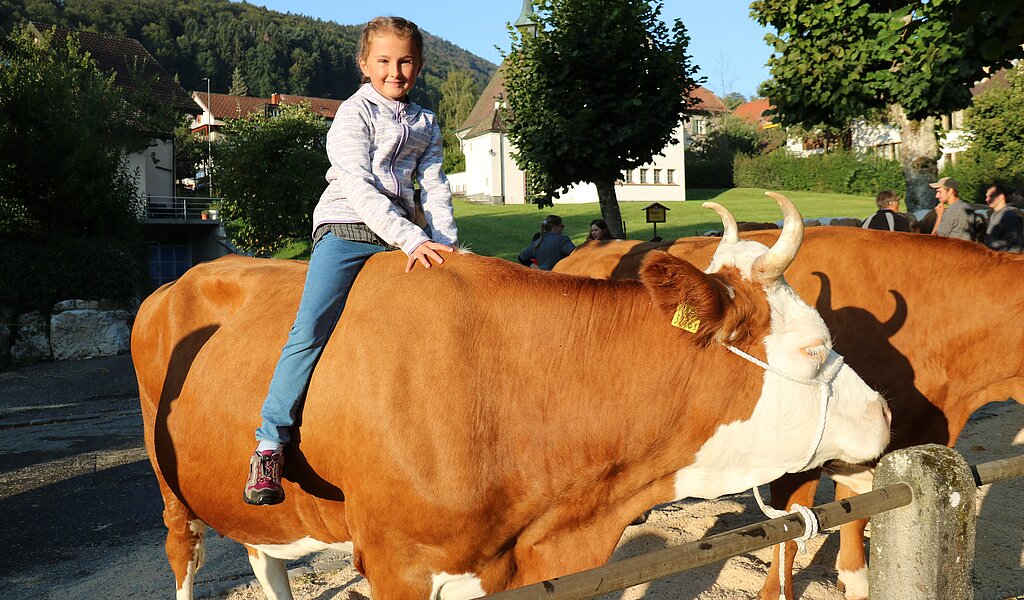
(953, 217)
(1005, 227)
(887, 218)
(599, 230)
(550, 246)
(379, 143)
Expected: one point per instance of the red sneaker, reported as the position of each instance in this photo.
(264, 483)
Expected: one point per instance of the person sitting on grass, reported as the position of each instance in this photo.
(549, 247)
(599, 230)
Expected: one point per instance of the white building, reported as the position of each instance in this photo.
(492, 175)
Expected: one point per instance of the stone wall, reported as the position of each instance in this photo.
(75, 329)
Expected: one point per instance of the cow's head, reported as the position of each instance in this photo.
(729, 300)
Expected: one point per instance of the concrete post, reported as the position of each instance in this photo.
(924, 550)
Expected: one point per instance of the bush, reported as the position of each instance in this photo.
(975, 173)
(64, 132)
(39, 273)
(836, 172)
(976, 170)
(267, 205)
(705, 172)
(709, 161)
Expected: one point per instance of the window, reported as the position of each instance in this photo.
(168, 262)
(699, 127)
(657, 176)
(670, 176)
(628, 176)
(643, 175)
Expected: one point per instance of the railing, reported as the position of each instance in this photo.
(929, 498)
(180, 209)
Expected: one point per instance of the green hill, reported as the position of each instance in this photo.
(273, 52)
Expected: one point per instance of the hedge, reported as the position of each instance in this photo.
(835, 172)
(706, 173)
(977, 170)
(41, 272)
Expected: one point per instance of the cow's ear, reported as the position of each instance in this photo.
(721, 306)
(690, 299)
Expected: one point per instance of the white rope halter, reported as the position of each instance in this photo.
(824, 383)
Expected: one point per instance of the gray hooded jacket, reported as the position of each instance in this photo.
(377, 147)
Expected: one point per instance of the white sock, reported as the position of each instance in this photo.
(265, 445)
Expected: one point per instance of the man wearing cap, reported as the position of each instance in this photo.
(1005, 226)
(953, 218)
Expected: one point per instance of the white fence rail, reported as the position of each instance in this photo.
(180, 208)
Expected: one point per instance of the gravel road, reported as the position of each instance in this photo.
(80, 513)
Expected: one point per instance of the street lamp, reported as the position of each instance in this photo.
(209, 132)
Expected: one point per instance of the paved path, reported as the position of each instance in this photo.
(80, 512)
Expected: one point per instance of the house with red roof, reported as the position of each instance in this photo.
(754, 112)
(217, 108)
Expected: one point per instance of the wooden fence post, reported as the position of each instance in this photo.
(926, 549)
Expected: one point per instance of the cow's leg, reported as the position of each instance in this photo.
(851, 562)
(790, 489)
(186, 549)
(272, 573)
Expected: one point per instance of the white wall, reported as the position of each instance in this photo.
(483, 176)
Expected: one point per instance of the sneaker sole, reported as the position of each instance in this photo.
(262, 499)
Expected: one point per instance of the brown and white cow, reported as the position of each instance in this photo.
(443, 437)
(933, 323)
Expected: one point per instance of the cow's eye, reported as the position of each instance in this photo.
(817, 352)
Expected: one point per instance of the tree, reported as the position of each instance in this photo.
(458, 95)
(733, 99)
(270, 172)
(65, 131)
(599, 90)
(996, 123)
(709, 160)
(915, 59)
(995, 127)
(238, 87)
(277, 52)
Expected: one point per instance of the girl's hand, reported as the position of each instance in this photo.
(426, 252)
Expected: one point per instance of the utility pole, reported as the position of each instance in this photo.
(209, 132)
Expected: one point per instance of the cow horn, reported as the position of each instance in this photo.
(769, 266)
(730, 233)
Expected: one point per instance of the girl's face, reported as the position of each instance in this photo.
(595, 232)
(391, 65)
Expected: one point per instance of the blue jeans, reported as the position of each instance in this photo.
(333, 267)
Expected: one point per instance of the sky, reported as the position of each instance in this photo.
(725, 43)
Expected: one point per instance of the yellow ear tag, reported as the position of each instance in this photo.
(684, 318)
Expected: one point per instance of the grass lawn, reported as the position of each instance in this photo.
(503, 231)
